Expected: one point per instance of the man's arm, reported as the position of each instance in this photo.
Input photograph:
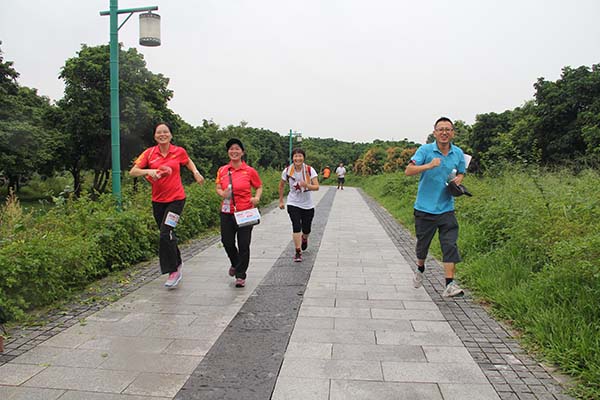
(413, 169)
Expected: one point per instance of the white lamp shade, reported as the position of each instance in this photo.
(149, 29)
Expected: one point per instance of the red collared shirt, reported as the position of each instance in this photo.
(243, 179)
(167, 188)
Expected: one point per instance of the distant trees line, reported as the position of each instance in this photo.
(38, 136)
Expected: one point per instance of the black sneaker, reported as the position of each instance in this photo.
(298, 257)
(304, 243)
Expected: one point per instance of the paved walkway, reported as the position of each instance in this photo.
(345, 323)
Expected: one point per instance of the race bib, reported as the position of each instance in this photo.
(172, 219)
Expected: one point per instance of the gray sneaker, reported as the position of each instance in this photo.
(453, 290)
(418, 279)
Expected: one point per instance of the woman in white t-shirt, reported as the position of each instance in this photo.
(302, 180)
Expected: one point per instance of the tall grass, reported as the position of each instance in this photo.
(530, 242)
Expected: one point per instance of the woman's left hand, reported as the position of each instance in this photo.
(255, 201)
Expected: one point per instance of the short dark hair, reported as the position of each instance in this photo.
(233, 141)
(443, 119)
(163, 123)
(299, 151)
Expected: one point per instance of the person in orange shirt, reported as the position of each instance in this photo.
(326, 172)
(234, 183)
(161, 165)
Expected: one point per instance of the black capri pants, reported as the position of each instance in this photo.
(427, 224)
(168, 251)
(301, 219)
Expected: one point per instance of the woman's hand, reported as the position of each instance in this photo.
(281, 205)
(153, 173)
(255, 200)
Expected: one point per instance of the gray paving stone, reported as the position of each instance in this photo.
(301, 389)
(62, 357)
(378, 352)
(449, 355)
(417, 338)
(84, 379)
(308, 311)
(433, 372)
(309, 350)
(420, 315)
(362, 390)
(372, 324)
(382, 304)
(22, 393)
(149, 362)
(153, 384)
(79, 395)
(468, 392)
(118, 344)
(15, 374)
(331, 369)
(432, 326)
(314, 323)
(332, 336)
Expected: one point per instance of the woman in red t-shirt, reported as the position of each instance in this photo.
(161, 165)
(238, 178)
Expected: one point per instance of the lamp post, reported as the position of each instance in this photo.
(115, 135)
(299, 136)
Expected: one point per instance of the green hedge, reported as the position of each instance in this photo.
(48, 257)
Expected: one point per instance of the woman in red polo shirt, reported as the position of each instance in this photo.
(161, 165)
(238, 178)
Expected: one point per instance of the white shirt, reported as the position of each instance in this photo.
(298, 196)
(340, 171)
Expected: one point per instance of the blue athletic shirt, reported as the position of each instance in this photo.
(432, 195)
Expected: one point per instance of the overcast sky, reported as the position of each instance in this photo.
(354, 70)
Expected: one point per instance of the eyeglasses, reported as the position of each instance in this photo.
(444, 129)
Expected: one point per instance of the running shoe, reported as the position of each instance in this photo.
(239, 282)
(173, 280)
(298, 257)
(418, 279)
(231, 271)
(304, 243)
(453, 290)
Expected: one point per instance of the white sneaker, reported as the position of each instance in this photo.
(418, 279)
(452, 290)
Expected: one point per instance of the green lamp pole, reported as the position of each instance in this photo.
(115, 135)
(292, 134)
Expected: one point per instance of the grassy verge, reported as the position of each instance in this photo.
(531, 248)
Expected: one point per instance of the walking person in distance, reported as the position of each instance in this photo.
(438, 163)
(340, 171)
(302, 180)
(161, 166)
(234, 184)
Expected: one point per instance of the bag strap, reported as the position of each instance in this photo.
(231, 184)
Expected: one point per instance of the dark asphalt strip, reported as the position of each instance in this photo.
(245, 360)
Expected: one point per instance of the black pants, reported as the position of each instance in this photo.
(168, 252)
(301, 219)
(427, 224)
(238, 256)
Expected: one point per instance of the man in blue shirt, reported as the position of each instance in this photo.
(438, 163)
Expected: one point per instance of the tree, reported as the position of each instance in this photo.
(28, 143)
(568, 113)
(85, 109)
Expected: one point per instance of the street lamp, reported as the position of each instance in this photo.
(148, 33)
(299, 138)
